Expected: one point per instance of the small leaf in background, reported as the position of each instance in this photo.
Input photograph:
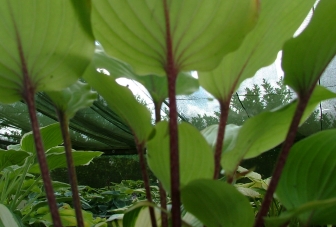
(121, 100)
(306, 56)
(135, 31)
(157, 86)
(51, 137)
(196, 155)
(139, 217)
(11, 157)
(58, 160)
(32, 42)
(266, 130)
(277, 23)
(71, 99)
(216, 203)
(309, 175)
(231, 132)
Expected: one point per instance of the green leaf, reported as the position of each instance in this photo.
(51, 137)
(231, 133)
(309, 175)
(121, 100)
(307, 207)
(306, 56)
(156, 85)
(11, 157)
(216, 203)
(277, 23)
(135, 31)
(71, 99)
(140, 217)
(58, 160)
(267, 130)
(51, 48)
(8, 218)
(196, 156)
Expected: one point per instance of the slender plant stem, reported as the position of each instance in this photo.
(163, 194)
(224, 109)
(172, 72)
(71, 168)
(29, 99)
(289, 141)
(141, 149)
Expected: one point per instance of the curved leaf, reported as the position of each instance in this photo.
(41, 40)
(8, 218)
(139, 217)
(135, 31)
(71, 99)
(306, 56)
(11, 157)
(216, 203)
(58, 160)
(121, 100)
(196, 155)
(157, 86)
(51, 137)
(309, 175)
(277, 23)
(267, 130)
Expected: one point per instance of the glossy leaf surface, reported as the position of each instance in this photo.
(156, 85)
(309, 175)
(135, 31)
(140, 217)
(11, 157)
(31, 45)
(216, 203)
(121, 100)
(277, 23)
(71, 99)
(306, 56)
(58, 160)
(51, 137)
(196, 155)
(8, 218)
(267, 130)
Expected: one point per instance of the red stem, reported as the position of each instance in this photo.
(172, 72)
(71, 168)
(163, 194)
(28, 96)
(224, 109)
(140, 148)
(302, 103)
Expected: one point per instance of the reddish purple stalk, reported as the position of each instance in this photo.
(141, 148)
(172, 72)
(289, 141)
(71, 168)
(224, 110)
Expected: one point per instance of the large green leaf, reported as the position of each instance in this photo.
(309, 175)
(11, 157)
(201, 32)
(41, 40)
(196, 156)
(216, 203)
(8, 218)
(267, 130)
(58, 160)
(277, 23)
(51, 137)
(286, 216)
(121, 100)
(140, 217)
(71, 99)
(157, 86)
(306, 56)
